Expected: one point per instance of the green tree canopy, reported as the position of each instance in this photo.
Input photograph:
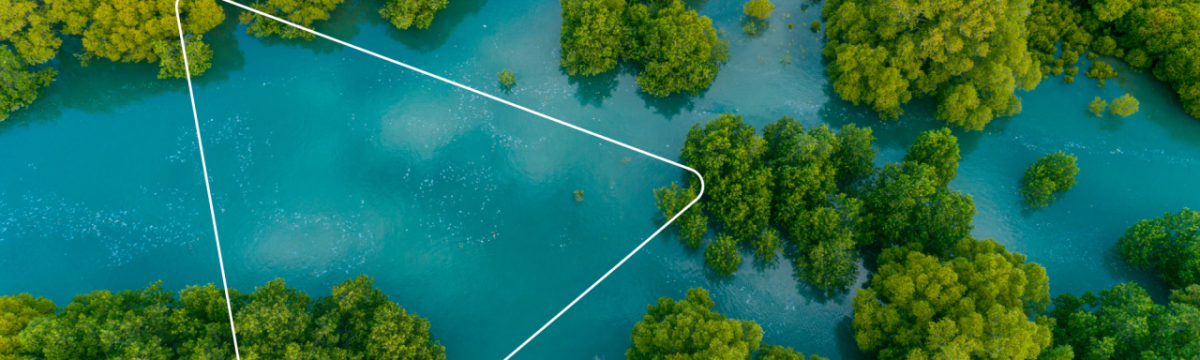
(855, 157)
(1189, 295)
(406, 13)
(136, 31)
(1124, 323)
(16, 312)
(938, 149)
(1169, 244)
(1097, 106)
(692, 225)
(1125, 105)
(1049, 175)
(975, 305)
(776, 352)
(760, 9)
(729, 154)
(722, 255)
(591, 35)
(689, 329)
(679, 49)
(969, 54)
(300, 12)
(19, 85)
(27, 40)
(905, 206)
(825, 254)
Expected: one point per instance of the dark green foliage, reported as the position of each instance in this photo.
(776, 352)
(1123, 323)
(1052, 174)
(974, 305)
(968, 54)
(273, 322)
(905, 206)
(938, 149)
(728, 153)
(507, 79)
(1169, 244)
(689, 329)
(804, 172)
(591, 35)
(855, 158)
(692, 225)
(1189, 295)
(406, 13)
(679, 50)
(300, 12)
(722, 255)
(815, 26)
(825, 252)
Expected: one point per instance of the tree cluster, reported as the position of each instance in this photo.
(677, 49)
(1169, 244)
(1163, 36)
(274, 322)
(971, 55)
(689, 329)
(1049, 176)
(406, 13)
(1124, 323)
(31, 32)
(973, 303)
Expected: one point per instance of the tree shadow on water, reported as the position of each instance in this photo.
(1116, 267)
(846, 345)
(670, 105)
(594, 89)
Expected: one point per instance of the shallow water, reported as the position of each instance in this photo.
(327, 163)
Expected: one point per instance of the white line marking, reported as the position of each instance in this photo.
(203, 165)
(464, 87)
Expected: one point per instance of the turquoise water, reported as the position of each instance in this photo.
(327, 163)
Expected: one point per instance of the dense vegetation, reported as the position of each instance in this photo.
(1169, 244)
(300, 12)
(1049, 176)
(1124, 323)
(974, 303)
(970, 55)
(677, 50)
(274, 322)
(406, 13)
(689, 329)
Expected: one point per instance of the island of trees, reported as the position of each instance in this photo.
(357, 321)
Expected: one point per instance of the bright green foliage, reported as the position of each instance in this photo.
(1189, 295)
(855, 158)
(507, 78)
(16, 312)
(591, 35)
(1049, 175)
(760, 9)
(722, 255)
(274, 322)
(905, 206)
(776, 352)
(170, 61)
(300, 12)
(406, 13)
(766, 245)
(19, 86)
(975, 305)
(1125, 105)
(728, 153)
(1097, 106)
(26, 27)
(1124, 323)
(679, 49)
(969, 54)
(136, 31)
(825, 254)
(938, 149)
(1101, 71)
(692, 225)
(689, 329)
(1169, 244)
